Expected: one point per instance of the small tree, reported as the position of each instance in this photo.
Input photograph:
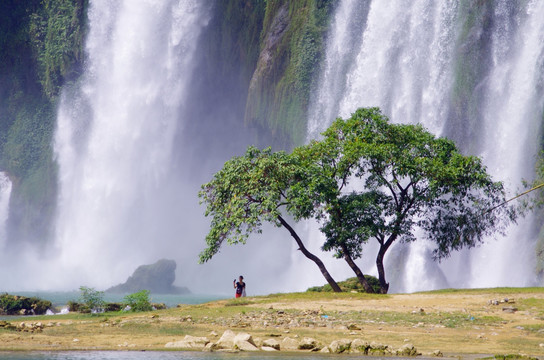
(139, 301)
(250, 190)
(92, 298)
(403, 179)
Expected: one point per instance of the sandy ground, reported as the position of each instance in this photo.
(458, 324)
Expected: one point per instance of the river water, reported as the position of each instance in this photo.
(60, 298)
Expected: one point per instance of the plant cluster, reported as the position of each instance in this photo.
(139, 301)
(351, 284)
(42, 48)
(13, 305)
(92, 299)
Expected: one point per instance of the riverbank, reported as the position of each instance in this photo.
(464, 322)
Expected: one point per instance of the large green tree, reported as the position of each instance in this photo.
(248, 191)
(365, 179)
(401, 179)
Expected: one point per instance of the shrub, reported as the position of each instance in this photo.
(93, 299)
(13, 304)
(111, 307)
(139, 301)
(73, 306)
(351, 284)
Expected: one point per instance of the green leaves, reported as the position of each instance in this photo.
(400, 178)
(247, 191)
(424, 183)
(92, 298)
(139, 301)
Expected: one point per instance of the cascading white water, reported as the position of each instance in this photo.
(513, 110)
(118, 203)
(126, 197)
(5, 194)
(406, 63)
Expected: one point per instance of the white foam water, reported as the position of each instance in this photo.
(407, 63)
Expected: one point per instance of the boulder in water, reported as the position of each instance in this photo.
(158, 278)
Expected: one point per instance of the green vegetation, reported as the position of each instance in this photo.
(248, 191)
(292, 43)
(41, 44)
(239, 302)
(57, 30)
(21, 305)
(351, 284)
(535, 201)
(407, 179)
(139, 301)
(494, 291)
(472, 47)
(453, 320)
(309, 295)
(93, 299)
(511, 357)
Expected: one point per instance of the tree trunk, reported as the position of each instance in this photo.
(384, 286)
(357, 271)
(311, 256)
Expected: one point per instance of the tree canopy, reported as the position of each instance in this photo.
(248, 191)
(365, 179)
(401, 178)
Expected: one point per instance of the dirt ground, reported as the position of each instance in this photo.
(459, 324)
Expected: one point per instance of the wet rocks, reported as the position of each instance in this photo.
(226, 341)
(30, 327)
(235, 342)
(359, 346)
(509, 309)
(407, 350)
(307, 344)
(6, 325)
(340, 346)
(437, 353)
(271, 343)
(189, 342)
(289, 344)
(244, 342)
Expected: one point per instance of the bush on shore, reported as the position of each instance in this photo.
(22, 305)
(351, 284)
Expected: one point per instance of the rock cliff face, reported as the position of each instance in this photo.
(292, 42)
(157, 278)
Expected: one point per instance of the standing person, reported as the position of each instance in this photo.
(240, 286)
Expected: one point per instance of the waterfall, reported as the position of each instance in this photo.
(136, 136)
(423, 62)
(5, 193)
(119, 202)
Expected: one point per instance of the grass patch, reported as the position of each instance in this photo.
(532, 304)
(447, 319)
(323, 296)
(510, 357)
(498, 291)
(536, 328)
(239, 302)
(350, 284)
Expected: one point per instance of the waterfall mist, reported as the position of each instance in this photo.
(5, 193)
(151, 119)
(477, 79)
